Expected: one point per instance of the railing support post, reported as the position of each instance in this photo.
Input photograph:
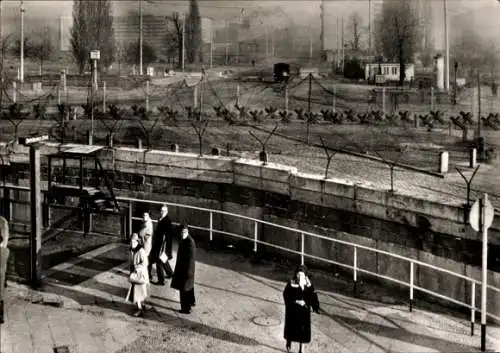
(255, 236)
(412, 281)
(7, 204)
(472, 308)
(355, 270)
(302, 248)
(129, 220)
(211, 226)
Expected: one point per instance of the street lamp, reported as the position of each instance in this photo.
(140, 38)
(21, 73)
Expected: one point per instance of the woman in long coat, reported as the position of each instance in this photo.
(183, 277)
(300, 297)
(139, 279)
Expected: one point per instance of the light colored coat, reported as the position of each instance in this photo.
(138, 262)
(146, 236)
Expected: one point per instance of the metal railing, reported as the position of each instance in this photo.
(355, 266)
(355, 247)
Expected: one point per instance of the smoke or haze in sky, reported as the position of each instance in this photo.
(480, 15)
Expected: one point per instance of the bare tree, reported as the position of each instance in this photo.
(354, 29)
(193, 33)
(397, 33)
(176, 18)
(92, 29)
(141, 116)
(112, 119)
(41, 48)
(473, 53)
(15, 115)
(200, 126)
(172, 45)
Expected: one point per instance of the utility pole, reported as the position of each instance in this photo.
(343, 53)
(21, 73)
(310, 43)
(309, 107)
(227, 43)
(140, 38)
(1, 68)
(447, 48)
(322, 35)
(183, 40)
(337, 54)
(369, 27)
(211, 46)
(478, 104)
(267, 44)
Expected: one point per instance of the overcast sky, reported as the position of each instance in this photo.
(480, 14)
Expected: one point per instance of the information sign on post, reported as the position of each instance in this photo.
(95, 54)
(480, 218)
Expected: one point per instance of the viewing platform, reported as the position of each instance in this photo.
(239, 309)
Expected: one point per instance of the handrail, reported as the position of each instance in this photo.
(354, 266)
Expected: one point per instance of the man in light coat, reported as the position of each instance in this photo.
(146, 233)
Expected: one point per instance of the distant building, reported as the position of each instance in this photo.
(65, 24)
(389, 70)
(155, 30)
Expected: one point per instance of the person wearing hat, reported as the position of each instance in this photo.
(300, 297)
(183, 277)
(139, 279)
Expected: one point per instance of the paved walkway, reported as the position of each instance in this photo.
(239, 309)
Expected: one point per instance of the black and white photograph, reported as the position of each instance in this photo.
(249, 176)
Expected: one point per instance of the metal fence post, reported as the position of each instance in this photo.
(130, 209)
(472, 308)
(301, 248)
(211, 225)
(412, 280)
(355, 269)
(255, 235)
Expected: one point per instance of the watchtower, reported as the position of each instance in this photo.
(88, 193)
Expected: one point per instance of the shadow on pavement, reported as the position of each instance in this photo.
(126, 308)
(400, 334)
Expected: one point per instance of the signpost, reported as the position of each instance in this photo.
(33, 142)
(480, 218)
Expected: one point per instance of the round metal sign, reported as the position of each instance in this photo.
(475, 213)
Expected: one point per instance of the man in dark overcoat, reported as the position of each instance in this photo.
(183, 278)
(4, 256)
(162, 242)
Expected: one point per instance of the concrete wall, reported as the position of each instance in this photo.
(336, 208)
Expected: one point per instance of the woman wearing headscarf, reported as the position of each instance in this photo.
(139, 279)
(300, 297)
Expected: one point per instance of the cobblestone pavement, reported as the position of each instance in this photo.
(239, 309)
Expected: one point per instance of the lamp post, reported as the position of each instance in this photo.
(21, 70)
(447, 48)
(140, 38)
(183, 40)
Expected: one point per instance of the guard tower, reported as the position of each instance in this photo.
(90, 192)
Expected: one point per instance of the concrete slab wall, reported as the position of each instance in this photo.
(257, 183)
